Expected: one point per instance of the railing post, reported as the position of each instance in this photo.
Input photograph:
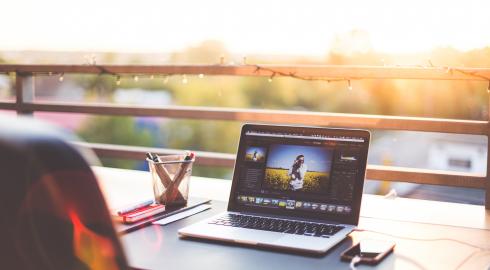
(24, 92)
(487, 182)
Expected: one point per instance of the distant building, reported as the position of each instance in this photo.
(437, 151)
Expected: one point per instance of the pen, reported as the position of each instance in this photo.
(179, 176)
(153, 157)
(135, 207)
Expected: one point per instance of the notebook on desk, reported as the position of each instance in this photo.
(295, 188)
(122, 228)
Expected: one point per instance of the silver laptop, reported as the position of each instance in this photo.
(296, 188)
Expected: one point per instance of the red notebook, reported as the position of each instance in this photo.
(140, 214)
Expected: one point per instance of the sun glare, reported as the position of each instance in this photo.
(266, 27)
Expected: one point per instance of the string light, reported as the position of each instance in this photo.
(222, 60)
(258, 69)
(292, 75)
(272, 77)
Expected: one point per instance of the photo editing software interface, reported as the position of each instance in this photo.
(297, 172)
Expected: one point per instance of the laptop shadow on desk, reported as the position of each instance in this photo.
(339, 248)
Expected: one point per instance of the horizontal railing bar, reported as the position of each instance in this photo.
(272, 116)
(300, 71)
(8, 105)
(138, 153)
(374, 172)
(426, 176)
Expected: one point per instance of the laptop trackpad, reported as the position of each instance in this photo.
(255, 236)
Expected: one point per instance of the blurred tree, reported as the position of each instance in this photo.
(115, 130)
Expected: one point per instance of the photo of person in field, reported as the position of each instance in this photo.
(255, 154)
(298, 168)
(297, 173)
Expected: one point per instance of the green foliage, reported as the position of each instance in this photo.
(214, 136)
(279, 179)
(97, 88)
(115, 130)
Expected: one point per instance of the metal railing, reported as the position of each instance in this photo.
(25, 103)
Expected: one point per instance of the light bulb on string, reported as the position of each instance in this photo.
(62, 77)
(165, 79)
(136, 78)
(201, 76)
(152, 77)
(118, 80)
(184, 79)
(349, 85)
(488, 88)
(271, 77)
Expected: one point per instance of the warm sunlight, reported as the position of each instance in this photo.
(247, 27)
(265, 134)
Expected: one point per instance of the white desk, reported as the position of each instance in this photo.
(402, 217)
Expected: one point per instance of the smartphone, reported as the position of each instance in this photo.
(370, 251)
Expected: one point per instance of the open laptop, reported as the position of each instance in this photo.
(296, 188)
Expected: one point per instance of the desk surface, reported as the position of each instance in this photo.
(157, 247)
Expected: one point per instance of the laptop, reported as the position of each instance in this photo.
(296, 188)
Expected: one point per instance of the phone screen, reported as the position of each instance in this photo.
(369, 250)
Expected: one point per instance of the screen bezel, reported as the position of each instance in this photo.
(353, 218)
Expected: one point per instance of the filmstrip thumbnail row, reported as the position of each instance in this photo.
(294, 204)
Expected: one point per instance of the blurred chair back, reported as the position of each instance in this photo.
(53, 213)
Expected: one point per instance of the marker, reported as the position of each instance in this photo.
(135, 207)
(189, 156)
(152, 157)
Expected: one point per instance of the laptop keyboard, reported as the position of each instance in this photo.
(278, 225)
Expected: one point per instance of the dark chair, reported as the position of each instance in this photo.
(53, 214)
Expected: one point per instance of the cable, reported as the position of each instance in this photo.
(354, 262)
(465, 260)
(293, 75)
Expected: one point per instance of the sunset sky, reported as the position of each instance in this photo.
(254, 26)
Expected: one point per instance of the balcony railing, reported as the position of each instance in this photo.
(26, 104)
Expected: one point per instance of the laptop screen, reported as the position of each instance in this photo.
(300, 171)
